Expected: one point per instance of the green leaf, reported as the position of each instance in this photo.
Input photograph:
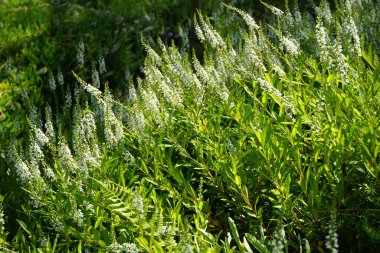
(234, 231)
(246, 245)
(98, 222)
(144, 243)
(307, 246)
(158, 248)
(55, 242)
(80, 247)
(102, 243)
(24, 226)
(209, 238)
(256, 243)
(368, 54)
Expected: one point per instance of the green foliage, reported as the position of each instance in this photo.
(269, 144)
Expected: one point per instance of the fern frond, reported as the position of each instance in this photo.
(117, 199)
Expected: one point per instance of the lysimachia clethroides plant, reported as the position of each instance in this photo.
(257, 147)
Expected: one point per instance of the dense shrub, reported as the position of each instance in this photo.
(270, 144)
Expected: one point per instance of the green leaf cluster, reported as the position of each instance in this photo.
(270, 142)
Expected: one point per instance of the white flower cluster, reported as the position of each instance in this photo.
(331, 238)
(65, 157)
(52, 84)
(348, 6)
(156, 59)
(164, 230)
(113, 127)
(252, 59)
(85, 126)
(138, 204)
(297, 15)
(8, 68)
(85, 143)
(2, 221)
(50, 173)
(279, 241)
(230, 146)
(22, 171)
(35, 151)
(137, 121)
(225, 60)
(78, 216)
(102, 64)
(77, 92)
(43, 240)
(153, 107)
(212, 78)
(341, 64)
(95, 79)
(123, 248)
(208, 33)
(60, 78)
(68, 99)
(50, 133)
(277, 65)
(80, 54)
(57, 224)
(277, 11)
(89, 207)
(323, 42)
(275, 92)
(172, 95)
(129, 158)
(87, 161)
(292, 46)
(33, 116)
(35, 200)
(92, 89)
(181, 69)
(354, 33)
(132, 95)
(40, 137)
(278, 69)
(247, 18)
(326, 13)
(32, 110)
(274, 9)
(215, 79)
(29, 172)
(186, 248)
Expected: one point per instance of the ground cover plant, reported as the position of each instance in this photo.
(270, 144)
